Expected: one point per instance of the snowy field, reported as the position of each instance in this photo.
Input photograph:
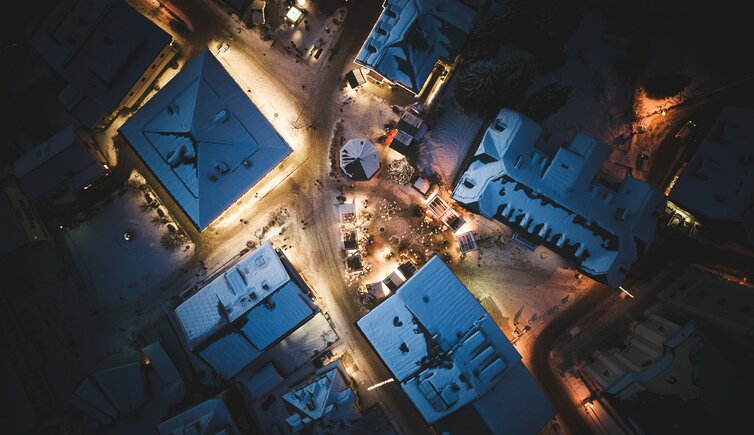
(115, 269)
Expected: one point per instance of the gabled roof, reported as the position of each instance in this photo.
(557, 200)
(211, 417)
(411, 35)
(257, 296)
(440, 344)
(110, 394)
(204, 139)
(100, 47)
(718, 182)
(324, 401)
(16, 232)
(61, 162)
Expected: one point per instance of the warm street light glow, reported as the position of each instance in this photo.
(300, 2)
(380, 384)
(626, 292)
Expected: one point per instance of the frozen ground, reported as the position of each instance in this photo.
(117, 270)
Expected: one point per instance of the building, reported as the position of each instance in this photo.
(407, 133)
(718, 182)
(109, 54)
(446, 352)
(411, 37)
(21, 225)
(359, 159)
(323, 403)
(211, 417)
(65, 163)
(112, 394)
(204, 140)
(244, 311)
(663, 377)
(557, 201)
(718, 305)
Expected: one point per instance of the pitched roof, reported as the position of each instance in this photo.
(110, 394)
(101, 48)
(14, 233)
(439, 343)
(359, 159)
(204, 139)
(233, 294)
(411, 35)
(210, 417)
(61, 162)
(718, 182)
(557, 200)
(324, 400)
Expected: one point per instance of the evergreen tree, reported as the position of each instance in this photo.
(546, 101)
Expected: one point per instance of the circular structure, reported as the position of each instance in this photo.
(359, 159)
(128, 236)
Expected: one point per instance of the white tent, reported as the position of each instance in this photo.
(359, 159)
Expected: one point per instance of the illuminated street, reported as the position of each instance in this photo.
(324, 216)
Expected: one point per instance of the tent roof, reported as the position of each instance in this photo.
(359, 159)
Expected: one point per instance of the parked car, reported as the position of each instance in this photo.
(683, 134)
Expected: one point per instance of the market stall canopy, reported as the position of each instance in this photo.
(359, 159)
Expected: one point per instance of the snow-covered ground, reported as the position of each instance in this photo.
(118, 270)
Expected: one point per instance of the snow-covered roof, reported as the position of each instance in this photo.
(15, 233)
(359, 159)
(557, 201)
(101, 48)
(211, 417)
(161, 362)
(324, 402)
(204, 139)
(439, 343)
(63, 162)
(718, 182)
(236, 292)
(112, 393)
(263, 381)
(229, 354)
(411, 35)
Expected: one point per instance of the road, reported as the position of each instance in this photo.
(568, 411)
(313, 250)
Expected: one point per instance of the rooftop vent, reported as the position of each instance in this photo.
(397, 321)
(403, 347)
(221, 116)
(222, 167)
